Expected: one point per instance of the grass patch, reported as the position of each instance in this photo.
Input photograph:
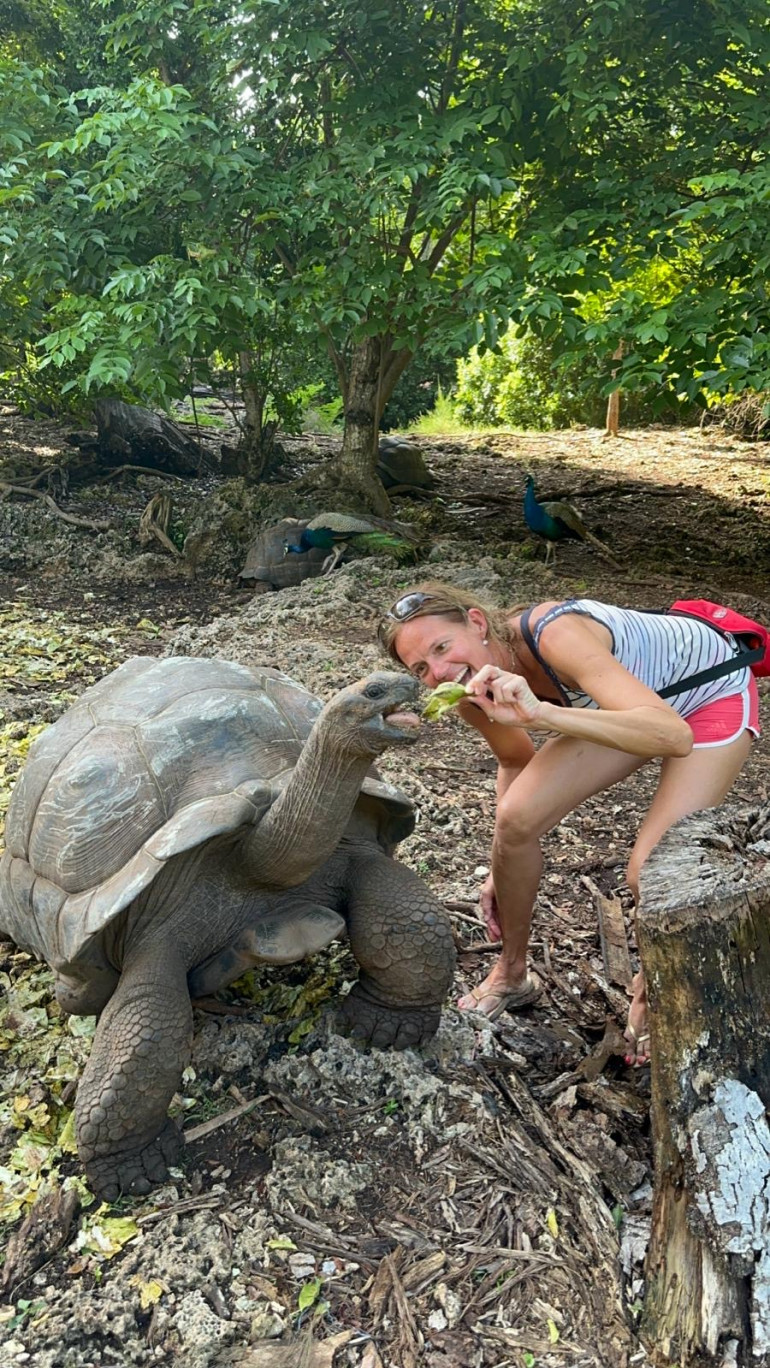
(444, 421)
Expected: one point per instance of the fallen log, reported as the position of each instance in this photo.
(130, 434)
(704, 937)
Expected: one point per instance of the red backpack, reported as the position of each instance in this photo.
(752, 638)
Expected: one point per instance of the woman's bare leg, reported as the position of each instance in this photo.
(562, 774)
(687, 784)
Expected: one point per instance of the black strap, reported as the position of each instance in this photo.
(746, 657)
(526, 632)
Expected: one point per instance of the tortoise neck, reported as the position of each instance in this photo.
(303, 826)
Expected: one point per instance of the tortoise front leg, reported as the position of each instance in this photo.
(402, 939)
(142, 1043)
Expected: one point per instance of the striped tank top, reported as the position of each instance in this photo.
(658, 650)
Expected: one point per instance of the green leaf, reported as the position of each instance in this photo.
(442, 698)
(309, 1293)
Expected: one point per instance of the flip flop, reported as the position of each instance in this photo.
(505, 999)
(636, 1041)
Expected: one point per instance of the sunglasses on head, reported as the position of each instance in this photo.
(405, 608)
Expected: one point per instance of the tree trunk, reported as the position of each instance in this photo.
(704, 937)
(254, 458)
(362, 409)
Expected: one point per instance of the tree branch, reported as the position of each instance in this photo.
(391, 372)
(93, 525)
(453, 60)
(337, 362)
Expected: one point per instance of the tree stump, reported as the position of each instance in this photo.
(704, 937)
(130, 433)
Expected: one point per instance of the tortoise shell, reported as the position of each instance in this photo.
(154, 760)
(267, 562)
(401, 462)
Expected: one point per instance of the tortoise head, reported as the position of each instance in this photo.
(375, 713)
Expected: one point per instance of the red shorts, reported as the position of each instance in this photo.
(721, 722)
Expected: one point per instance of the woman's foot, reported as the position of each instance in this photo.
(636, 1032)
(493, 996)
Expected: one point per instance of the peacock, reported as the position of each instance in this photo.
(555, 521)
(336, 532)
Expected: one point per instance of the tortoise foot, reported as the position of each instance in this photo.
(399, 1028)
(133, 1172)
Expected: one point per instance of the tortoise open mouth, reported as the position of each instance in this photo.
(403, 720)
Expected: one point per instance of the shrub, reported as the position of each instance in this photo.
(521, 385)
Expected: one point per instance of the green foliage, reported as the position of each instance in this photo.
(442, 420)
(513, 386)
(178, 181)
(418, 389)
(530, 383)
(317, 415)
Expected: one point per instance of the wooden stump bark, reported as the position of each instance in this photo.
(127, 432)
(704, 936)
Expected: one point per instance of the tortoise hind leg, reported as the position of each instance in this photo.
(142, 1043)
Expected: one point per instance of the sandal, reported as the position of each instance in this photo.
(492, 1002)
(638, 1043)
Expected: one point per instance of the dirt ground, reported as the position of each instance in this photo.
(483, 1203)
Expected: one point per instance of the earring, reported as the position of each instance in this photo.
(485, 642)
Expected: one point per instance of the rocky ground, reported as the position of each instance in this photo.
(482, 1202)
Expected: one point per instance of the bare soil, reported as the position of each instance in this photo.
(483, 1202)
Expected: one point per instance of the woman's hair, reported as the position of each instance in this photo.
(439, 600)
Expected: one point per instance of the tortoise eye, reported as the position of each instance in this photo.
(374, 690)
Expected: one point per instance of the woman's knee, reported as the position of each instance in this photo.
(515, 825)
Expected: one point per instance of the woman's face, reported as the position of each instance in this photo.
(437, 649)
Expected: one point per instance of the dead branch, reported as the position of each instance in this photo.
(138, 470)
(29, 493)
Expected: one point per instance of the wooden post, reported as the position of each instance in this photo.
(704, 938)
(612, 421)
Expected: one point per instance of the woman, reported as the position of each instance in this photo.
(591, 673)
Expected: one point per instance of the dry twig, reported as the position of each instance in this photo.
(29, 493)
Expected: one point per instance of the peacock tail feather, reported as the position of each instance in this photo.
(383, 542)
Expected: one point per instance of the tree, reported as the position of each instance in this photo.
(379, 175)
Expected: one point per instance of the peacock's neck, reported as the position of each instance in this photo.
(304, 825)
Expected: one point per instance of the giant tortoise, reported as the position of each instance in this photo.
(184, 820)
(271, 567)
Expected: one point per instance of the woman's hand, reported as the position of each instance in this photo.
(505, 697)
(488, 901)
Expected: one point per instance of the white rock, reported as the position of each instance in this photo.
(437, 1320)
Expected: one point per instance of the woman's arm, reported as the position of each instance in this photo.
(630, 717)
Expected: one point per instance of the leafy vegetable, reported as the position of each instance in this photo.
(443, 697)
